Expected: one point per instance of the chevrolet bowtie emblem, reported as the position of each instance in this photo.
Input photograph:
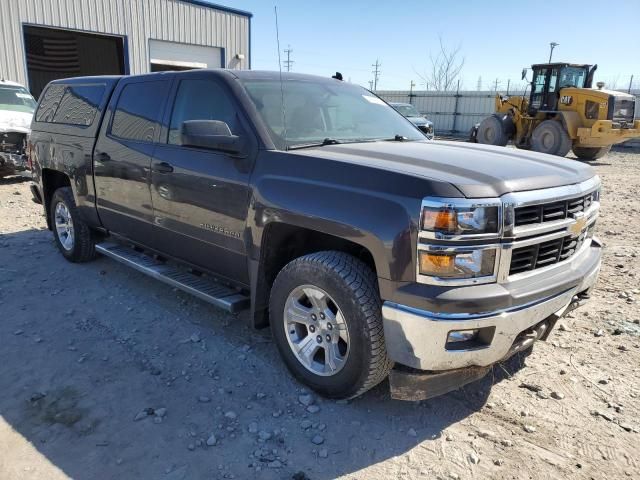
(576, 228)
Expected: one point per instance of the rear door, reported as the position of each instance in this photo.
(122, 156)
(200, 196)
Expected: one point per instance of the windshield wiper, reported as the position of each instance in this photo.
(325, 142)
(397, 138)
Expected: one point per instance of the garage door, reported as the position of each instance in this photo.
(54, 53)
(182, 56)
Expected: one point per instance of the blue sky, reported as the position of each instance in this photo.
(496, 38)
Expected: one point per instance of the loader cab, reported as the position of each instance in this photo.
(550, 78)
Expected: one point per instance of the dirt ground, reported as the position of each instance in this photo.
(105, 373)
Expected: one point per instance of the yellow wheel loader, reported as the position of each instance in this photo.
(561, 113)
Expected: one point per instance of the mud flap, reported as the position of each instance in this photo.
(414, 385)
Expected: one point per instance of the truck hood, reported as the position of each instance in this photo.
(15, 121)
(476, 170)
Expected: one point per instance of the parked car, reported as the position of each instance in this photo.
(409, 111)
(16, 110)
(369, 250)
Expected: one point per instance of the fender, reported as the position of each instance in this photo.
(571, 122)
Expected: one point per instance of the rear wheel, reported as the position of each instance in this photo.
(326, 321)
(491, 132)
(73, 236)
(587, 153)
(550, 137)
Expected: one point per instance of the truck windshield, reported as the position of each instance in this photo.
(407, 110)
(572, 77)
(16, 99)
(325, 113)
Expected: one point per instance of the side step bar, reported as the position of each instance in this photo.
(203, 287)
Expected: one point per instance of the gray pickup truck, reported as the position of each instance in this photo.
(370, 251)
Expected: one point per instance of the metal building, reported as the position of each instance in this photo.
(41, 40)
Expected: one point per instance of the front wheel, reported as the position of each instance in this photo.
(73, 237)
(491, 132)
(326, 320)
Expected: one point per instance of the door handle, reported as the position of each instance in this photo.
(103, 157)
(162, 167)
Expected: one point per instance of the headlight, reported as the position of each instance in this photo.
(460, 220)
(459, 263)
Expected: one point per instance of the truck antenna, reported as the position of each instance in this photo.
(284, 113)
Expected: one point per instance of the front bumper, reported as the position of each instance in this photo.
(13, 162)
(417, 338)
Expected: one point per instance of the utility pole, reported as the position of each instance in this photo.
(495, 85)
(413, 84)
(552, 45)
(288, 62)
(479, 86)
(630, 83)
(376, 74)
(508, 85)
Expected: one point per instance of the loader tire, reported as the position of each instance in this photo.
(550, 137)
(587, 153)
(491, 132)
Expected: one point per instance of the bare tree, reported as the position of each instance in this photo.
(444, 70)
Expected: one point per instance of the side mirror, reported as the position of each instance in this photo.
(211, 134)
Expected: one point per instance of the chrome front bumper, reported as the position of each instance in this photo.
(417, 338)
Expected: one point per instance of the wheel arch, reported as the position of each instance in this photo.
(570, 121)
(283, 242)
(51, 181)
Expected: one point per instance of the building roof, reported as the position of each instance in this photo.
(215, 6)
(9, 83)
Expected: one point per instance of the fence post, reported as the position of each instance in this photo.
(455, 109)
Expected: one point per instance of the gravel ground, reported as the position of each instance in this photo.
(105, 373)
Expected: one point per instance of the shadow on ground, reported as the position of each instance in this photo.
(88, 348)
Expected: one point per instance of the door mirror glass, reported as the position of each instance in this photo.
(211, 134)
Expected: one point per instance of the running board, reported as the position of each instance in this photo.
(203, 287)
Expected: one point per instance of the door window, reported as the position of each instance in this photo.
(200, 99)
(137, 114)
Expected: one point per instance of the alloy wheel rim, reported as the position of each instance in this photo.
(64, 226)
(316, 330)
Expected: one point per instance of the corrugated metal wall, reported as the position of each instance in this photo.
(447, 117)
(138, 20)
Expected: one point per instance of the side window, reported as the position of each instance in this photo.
(200, 99)
(49, 101)
(538, 82)
(137, 114)
(79, 105)
(553, 80)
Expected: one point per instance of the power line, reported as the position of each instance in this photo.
(376, 74)
(288, 62)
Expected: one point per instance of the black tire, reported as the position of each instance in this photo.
(588, 153)
(353, 287)
(550, 137)
(491, 132)
(82, 247)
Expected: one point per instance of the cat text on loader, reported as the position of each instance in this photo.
(561, 113)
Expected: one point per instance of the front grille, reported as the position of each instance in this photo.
(547, 253)
(623, 111)
(12, 142)
(548, 212)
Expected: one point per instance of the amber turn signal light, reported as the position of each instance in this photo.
(440, 220)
